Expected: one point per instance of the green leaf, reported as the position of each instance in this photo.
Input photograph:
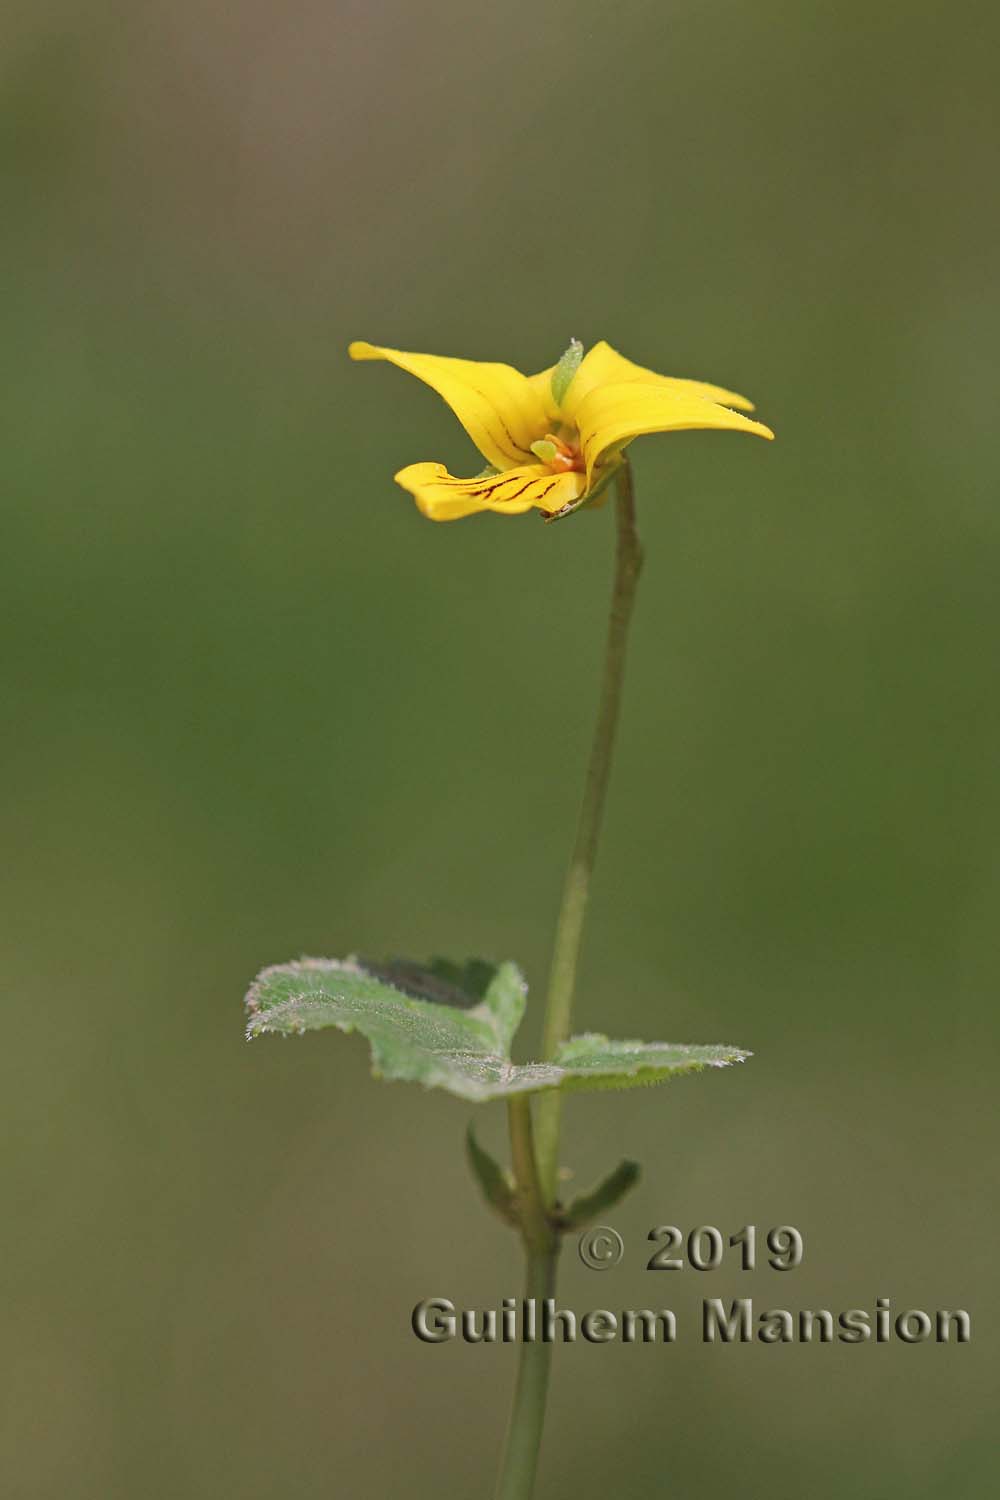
(611, 1190)
(592, 1061)
(450, 1026)
(496, 1182)
(500, 988)
(446, 1026)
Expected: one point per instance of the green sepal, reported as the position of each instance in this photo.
(564, 371)
(611, 1190)
(497, 1184)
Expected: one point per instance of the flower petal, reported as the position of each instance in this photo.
(612, 415)
(603, 365)
(499, 408)
(542, 385)
(442, 497)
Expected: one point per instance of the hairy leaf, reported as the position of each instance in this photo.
(592, 1061)
(450, 1026)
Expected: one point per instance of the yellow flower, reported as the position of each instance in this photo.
(551, 440)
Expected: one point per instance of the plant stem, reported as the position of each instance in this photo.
(527, 1414)
(538, 1233)
(535, 1166)
(569, 929)
(524, 1433)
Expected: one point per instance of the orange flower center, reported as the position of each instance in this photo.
(566, 458)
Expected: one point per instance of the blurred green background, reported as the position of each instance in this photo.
(256, 707)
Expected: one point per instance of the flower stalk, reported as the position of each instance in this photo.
(576, 891)
(536, 1161)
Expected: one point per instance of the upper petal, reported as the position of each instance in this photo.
(603, 365)
(500, 409)
(612, 415)
(542, 385)
(442, 497)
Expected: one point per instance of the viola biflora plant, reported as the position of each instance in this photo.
(554, 442)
